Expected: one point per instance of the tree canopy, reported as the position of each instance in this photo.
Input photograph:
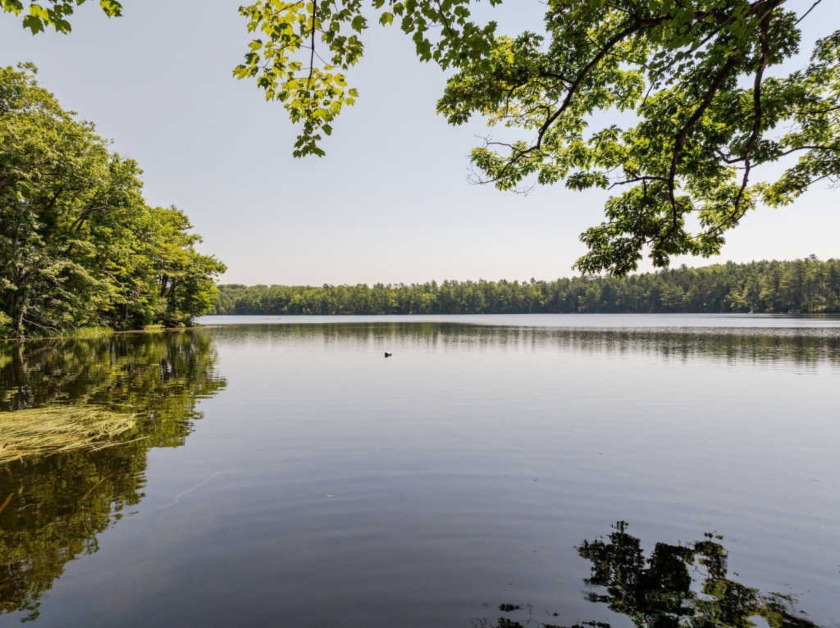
(674, 105)
(79, 246)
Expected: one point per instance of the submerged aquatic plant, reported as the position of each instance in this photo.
(60, 429)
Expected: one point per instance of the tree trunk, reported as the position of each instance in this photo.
(19, 303)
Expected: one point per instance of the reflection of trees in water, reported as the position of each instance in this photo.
(799, 346)
(676, 586)
(55, 507)
(52, 510)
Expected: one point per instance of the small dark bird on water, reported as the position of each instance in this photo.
(388, 354)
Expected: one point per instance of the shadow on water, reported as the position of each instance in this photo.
(675, 586)
(52, 509)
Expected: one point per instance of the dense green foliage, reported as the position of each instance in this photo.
(806, 286)
(79, 246)
(679, 105)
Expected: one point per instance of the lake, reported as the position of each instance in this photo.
(495, 471)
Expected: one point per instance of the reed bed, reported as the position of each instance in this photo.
(60, 429)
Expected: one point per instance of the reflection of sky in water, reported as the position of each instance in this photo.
(666, 322)
(326, 485)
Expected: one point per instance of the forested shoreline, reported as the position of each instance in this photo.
(801, 286)
(79, 245)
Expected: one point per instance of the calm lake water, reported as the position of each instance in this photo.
(495, 471)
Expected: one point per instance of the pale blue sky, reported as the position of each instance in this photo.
(391, 201)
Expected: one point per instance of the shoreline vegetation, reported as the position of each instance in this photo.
(81, 250)
(95, 333)
(805, 286)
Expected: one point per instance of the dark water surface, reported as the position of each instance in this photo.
(289, 475)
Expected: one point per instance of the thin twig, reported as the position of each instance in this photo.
(804, 15)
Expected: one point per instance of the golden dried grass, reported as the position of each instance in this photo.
(60, 429)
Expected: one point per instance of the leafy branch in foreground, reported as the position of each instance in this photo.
(702, 112)
(303, 50)
(676, 105)
(54, 13)
(694, 81)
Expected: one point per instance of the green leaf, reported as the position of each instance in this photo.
(112, 8)
(34, 24)
(358, 24)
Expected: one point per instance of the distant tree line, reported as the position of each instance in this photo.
(79, 245)
(802, 286)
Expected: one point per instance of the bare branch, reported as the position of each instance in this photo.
(804, 15)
